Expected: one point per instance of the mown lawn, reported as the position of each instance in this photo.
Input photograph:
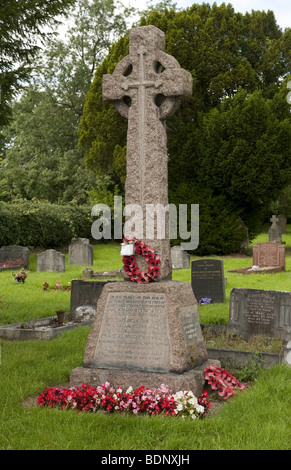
(258, 418)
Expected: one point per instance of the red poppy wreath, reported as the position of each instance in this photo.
(131, 267)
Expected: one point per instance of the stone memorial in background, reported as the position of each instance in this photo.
(268, 257)
(80, 252)
(274, 233)
(258, 312)
(180, 258)
(146, 334)
(51, 261)
(282, 221)
(85, 293)
(14, 256)
(207, 279)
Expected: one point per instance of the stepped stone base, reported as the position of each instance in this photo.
(190, 380)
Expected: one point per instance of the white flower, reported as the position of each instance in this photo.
(129, 390)
(119, 390)
(179, 407)
(200, 408)
(193, 401)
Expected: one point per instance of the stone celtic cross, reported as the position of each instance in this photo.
(146, 87)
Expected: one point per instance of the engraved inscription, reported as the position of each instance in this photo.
(134, 332)
(189, 324)
(258, 312)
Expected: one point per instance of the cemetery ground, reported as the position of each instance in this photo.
(256, 419)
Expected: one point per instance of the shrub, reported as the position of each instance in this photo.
(42, 224)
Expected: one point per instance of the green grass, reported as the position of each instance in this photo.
(257, 419)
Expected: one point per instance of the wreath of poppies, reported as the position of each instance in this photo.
(131, 267)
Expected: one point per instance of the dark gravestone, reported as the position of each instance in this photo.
(207, 279)
(257, 312)
(85, 293)
(14, 256)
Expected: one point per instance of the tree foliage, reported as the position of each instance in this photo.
(41, 141)
(22, 25)
(230, 143)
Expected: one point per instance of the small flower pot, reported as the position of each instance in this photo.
(61, 316)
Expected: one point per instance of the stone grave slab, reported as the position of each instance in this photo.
(207, 279)
(180, 258)
(268, 257)
(258, 312)
(80, 252)
(85, 293)
(282, 221)
(51, 261)
(14, 256)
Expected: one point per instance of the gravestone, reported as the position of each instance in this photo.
(207, 279)
(180, 258)
(282, 221)
(268, 257)
(80, 252)
(85, 293)
(146, 334)
(275, 234)
(14, 256)
(51, 261)
(258, 312)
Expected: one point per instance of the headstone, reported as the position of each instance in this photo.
(207, 279)
(13, 256)
(180, 258)
(85, 293)
(259, 312)
(282, 221)
(80, 252)
(275, 234)
(269, 255)
(146, 334)
(51, 261)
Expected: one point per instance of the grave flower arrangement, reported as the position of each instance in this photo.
(139, 401)
(222, 381)
(131, 267)
(20, 277)
(57, 286)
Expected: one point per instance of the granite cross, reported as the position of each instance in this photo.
(146, 87)
(274, 219)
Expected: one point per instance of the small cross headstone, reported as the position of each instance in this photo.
(275, 235)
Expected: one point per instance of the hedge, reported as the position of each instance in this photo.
(41, 224)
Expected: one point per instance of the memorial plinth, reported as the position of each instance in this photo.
(145, 335)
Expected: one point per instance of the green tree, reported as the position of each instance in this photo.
(225, 52)
(42, 138)
(22, 24)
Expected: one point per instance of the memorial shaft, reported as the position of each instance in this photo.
(145, 88)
